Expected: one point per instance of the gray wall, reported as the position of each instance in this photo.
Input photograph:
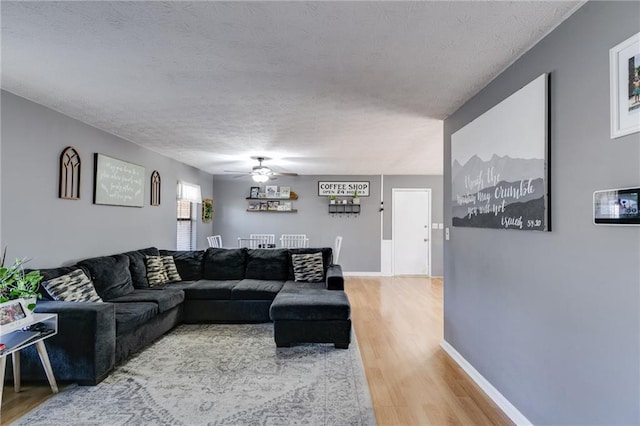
(417, 181)
(552, 319)
(35, 223)
(361, 233)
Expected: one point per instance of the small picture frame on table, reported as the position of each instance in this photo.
(255, 192)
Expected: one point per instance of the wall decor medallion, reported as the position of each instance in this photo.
(70, 168)
(624, 76)
(155, 188)
(499, 173)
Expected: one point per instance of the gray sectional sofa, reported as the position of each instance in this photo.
(218, 285)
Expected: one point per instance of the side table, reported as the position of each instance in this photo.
(51, 323)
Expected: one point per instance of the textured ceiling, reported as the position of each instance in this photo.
(321, 87)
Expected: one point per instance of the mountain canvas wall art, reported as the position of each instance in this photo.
(499, 164)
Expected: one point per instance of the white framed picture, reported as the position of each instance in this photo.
(271, 191)
(624, 69)
(285, 192)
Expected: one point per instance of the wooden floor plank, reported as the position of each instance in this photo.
(398, 322)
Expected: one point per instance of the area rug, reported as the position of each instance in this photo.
(210, 374)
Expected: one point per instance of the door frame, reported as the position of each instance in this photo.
(393, 226)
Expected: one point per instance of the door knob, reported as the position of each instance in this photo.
(426, 239)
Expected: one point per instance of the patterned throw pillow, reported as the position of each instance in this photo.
(75, 286)
(170, 269)
(307, 267)
(155, 271)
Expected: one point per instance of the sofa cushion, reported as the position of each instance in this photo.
(267, 264)
(170, 269)
(110, 275)
(130, 316)
(215, 290)
(327, 258)
(248, 289)
(138, 267)
(224, 264)
(72, 287)
(307, 267)
(165, 299)
(156, 274)
(51, 273)
(188, 263)
(295, 302)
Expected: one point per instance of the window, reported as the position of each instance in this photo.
(186, 235)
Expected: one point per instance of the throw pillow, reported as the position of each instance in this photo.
(72, 287)
(155, 271)
(307, 267)
(170, 269)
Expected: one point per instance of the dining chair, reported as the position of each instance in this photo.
(294, 241)
(336, 250)
(262, 241)
(215, 241)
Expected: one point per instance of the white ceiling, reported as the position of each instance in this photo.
(321, 87)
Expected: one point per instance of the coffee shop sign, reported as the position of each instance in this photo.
(343, 189)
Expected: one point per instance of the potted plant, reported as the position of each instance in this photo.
(356, 198)
(332, 199)
(16, 284)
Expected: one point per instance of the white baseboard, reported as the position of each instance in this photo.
(509, 409)
(362, 274)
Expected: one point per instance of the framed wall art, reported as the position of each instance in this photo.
(207, 210)
(117, 182)
(499, 173)
(624, 69)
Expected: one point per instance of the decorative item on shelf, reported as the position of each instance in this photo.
(70, 168)
(332, 199)
(255, 192)
(356, 198)
(271, 191)
(344, 201)
(207, 210)
(273, 205)
(253, 206)
(287, 206)
(155, 188)
(16, 284)
(285, 192)
(293, 196)
(263, 206)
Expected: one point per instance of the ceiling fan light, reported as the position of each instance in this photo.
(260, 178)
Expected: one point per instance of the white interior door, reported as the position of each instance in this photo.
(411, 231)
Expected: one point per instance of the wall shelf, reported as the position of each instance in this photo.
(272, 211)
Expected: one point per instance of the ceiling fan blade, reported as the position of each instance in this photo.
(237, 171)
(284, 174)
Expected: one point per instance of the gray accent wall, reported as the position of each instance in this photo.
(35, 223)
(552, 319)
(417, 181)
(361, 233)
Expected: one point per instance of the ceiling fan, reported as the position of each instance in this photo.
(261, 173)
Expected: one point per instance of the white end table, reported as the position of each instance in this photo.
(51, 321)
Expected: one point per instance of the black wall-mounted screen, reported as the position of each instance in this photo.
(616, 206)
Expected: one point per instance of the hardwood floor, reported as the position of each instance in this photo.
(399, 326)
(398, 323)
